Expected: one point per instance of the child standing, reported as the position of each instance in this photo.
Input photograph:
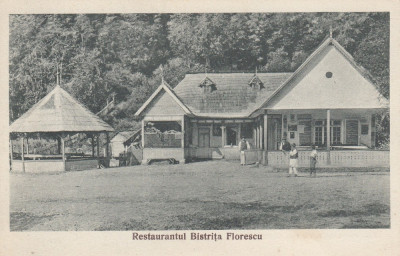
(313, 161)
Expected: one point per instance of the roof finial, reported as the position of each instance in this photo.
(256, 70)
(162, 74)
(330, 31)
(58, 82)
(205, 67)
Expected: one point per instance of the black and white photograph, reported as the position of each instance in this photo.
(199, 125)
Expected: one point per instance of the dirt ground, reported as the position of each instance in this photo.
(212, 195)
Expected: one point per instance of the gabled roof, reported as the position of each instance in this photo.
(234, 98)
(125, 135)
(58, 111)
(352, 79)
(163, 87)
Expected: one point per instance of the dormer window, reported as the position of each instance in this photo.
(208, 85)
(255, 83)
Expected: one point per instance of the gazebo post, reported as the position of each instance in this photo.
(107, 150)
(58, 145)
(98, 150)
(22, 153)
(92, 136)
(63, 150)
(27, 145)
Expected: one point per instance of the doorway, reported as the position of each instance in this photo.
(274, 132)
(204, 137)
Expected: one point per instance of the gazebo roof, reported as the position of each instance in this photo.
(58, 111)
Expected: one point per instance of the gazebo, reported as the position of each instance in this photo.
(59, 115)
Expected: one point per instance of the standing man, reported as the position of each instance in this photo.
(284, 145)
(293, 161)
(243, 145)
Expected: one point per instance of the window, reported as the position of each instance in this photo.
(292, 117)
(217, 131)
(292, 128)
(336, 132)
(256, 83)
(318, 136)
(364, 129)
(284, 122)
(335, 138)
(320, 133)
(246, 130)
(231, 135)
(208, 85)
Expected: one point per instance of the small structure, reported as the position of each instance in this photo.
(122, 141)
(58, 115)
(328, 101)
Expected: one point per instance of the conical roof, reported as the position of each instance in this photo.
(58, 111)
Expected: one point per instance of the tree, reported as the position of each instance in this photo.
(99, 55)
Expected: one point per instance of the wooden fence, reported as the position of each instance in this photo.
(338, 158)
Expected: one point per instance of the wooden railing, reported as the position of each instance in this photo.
(338, 158)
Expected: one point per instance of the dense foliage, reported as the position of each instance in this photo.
(98, 55)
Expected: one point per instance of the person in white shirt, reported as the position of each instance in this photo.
(313, 161)
(243, 145)
(293, 161)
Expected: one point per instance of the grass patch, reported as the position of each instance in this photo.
(213, 195)
(20, 221)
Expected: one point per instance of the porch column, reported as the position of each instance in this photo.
(260, 135)
(143, 133)
(63, 151)
(183, 160)
(257, 141)
(27, 145)
(328, 135)
(22, 153)
(183, 132)
(255, 135)
(266, 138)
(223, 135)
(373, 130)
(239, 132)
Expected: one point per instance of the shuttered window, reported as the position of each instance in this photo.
(305, 132)
(352, 132)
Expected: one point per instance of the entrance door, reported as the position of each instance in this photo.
(274, 132)
(204, 137)
(352, 132)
